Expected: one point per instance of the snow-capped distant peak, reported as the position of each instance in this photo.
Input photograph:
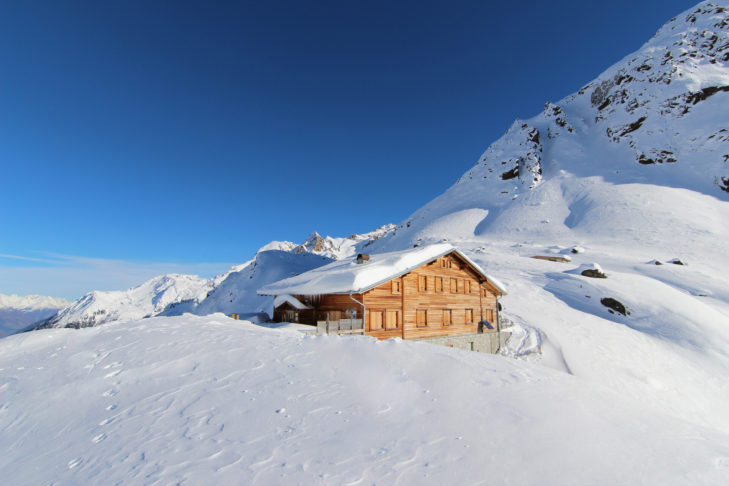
(32, 302)
(147, 299)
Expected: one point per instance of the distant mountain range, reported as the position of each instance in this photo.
(19, 312)
(233, 291)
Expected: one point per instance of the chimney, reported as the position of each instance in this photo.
(363, 258)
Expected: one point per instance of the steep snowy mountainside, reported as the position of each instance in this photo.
(658, 118)
(173, 400)
(145, 300)
(18, 312)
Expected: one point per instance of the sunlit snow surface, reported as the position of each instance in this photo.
(210, 400)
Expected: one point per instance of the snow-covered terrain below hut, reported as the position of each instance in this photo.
(207, 399)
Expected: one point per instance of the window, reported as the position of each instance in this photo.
(489, 315)
(421, 318)
(439, 284)
(392, 319)
(375, 320)
(350, 313)
(422, 283)
(484, 292)
(447, 317)
(467, 286)
(396, 286)
(469, 316)
(443, 263)
(454, 285)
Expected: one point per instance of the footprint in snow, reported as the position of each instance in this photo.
(74, 462)
(98, 438)
(112, 374)
(110, 393)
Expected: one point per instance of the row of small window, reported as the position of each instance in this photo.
(455, 285)
(391, 319)
(423, 317)
(439, 284)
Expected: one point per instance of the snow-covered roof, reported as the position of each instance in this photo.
(348, 276)
(291, 300)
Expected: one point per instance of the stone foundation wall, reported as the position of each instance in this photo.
(488, 342)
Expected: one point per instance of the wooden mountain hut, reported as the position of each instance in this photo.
(432, 292)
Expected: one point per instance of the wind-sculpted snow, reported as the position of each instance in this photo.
(208, 399)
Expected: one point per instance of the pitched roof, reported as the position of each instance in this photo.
(348, 276)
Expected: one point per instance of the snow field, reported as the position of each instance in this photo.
(202, 399)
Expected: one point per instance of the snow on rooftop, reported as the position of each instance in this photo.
(291, 300)
(345, 276)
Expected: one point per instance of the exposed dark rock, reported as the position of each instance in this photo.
(676, 261)
(634, 126)
(645, 160)
(614, 305)
(724, 185)
(593, 273)
(705, 93)
(658, 262)
(510, 174)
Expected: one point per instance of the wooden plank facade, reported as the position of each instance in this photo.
(441, 298)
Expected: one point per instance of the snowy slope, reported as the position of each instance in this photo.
(18, 312)
(208, 399)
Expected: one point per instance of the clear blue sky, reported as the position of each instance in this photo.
(182, 136)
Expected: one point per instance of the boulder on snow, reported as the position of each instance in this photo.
(592, 270)
(553, 258)
(577, 249)
(614, 305)
(676, 261)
